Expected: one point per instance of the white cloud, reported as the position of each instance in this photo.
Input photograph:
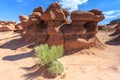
(72, 4)
(112, 14)
(19, 0)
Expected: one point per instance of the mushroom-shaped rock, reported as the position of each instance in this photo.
(98, 15)
(39, 9)
(81, 16)
(54, 12)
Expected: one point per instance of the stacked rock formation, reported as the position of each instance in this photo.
(7, 26)
(54, 28)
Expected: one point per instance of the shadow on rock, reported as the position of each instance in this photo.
(115, 33)
(37, 71)
(115, 41)
(18, 56)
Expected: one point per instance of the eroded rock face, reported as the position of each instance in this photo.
(53, 27)
(36, 29)
(7, 26)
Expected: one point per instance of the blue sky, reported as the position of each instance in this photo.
(11, 9)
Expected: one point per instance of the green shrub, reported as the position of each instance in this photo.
(46, 54)
(55, 68)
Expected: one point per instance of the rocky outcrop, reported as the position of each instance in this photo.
(117, 30)
(54, 28)
(114, 22)
(7, 26)
(116, 34)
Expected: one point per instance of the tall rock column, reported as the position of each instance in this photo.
(54, 18)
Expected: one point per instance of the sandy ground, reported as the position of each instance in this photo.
(93, 64)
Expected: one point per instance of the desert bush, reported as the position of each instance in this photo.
(55, 68)
(47, 54)
(48, 57)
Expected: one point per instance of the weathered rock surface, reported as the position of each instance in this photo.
(54, 28)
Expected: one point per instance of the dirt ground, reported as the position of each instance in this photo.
(17, 62)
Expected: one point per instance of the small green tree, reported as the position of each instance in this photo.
(47, 55)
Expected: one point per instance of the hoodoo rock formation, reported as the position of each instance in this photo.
(54, 28)
(7, 26)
